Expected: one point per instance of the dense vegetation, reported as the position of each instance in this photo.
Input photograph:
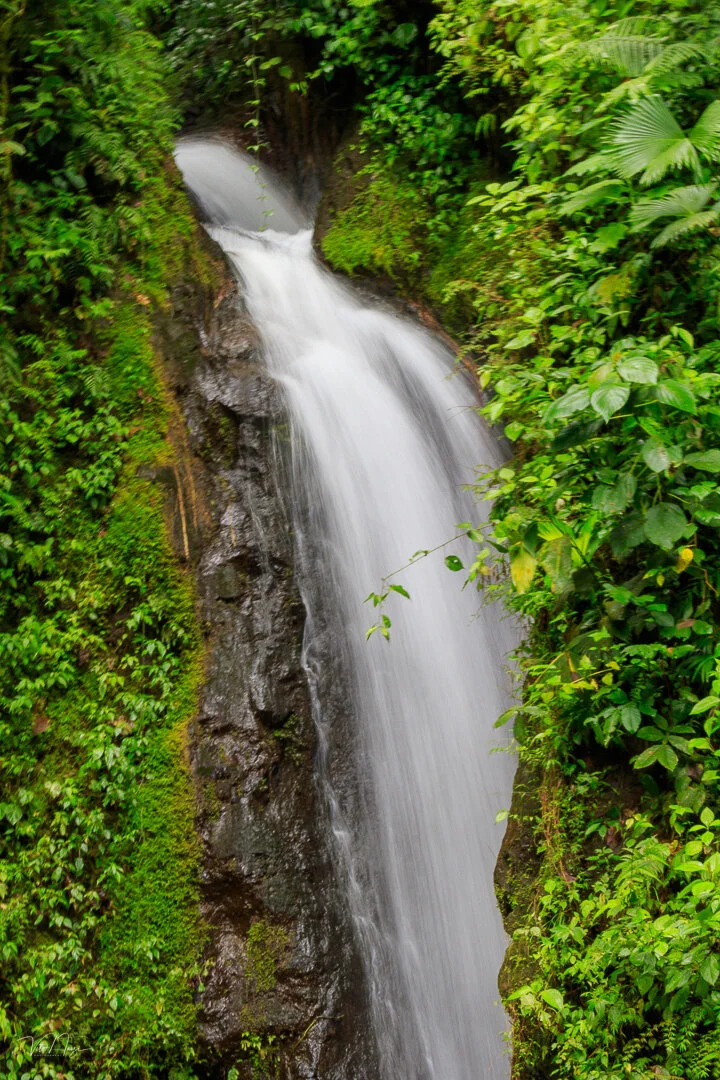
(99, 932)
(546, 175)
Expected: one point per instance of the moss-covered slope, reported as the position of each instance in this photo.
(100, 654)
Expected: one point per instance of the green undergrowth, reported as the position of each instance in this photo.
(381, 231)
(100, 656)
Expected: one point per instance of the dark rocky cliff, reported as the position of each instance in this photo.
(283, 988)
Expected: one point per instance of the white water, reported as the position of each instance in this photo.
(382, 442)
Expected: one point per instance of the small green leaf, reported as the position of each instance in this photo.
(401, 589)
(453, 562)
(639, 369)
(665, 524)
(608, 398)
(501, 816)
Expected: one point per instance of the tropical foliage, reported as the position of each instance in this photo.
(99, 931)
(547, 176)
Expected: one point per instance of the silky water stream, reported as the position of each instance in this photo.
(383, 438)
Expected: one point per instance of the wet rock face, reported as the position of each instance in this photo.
(283, 986)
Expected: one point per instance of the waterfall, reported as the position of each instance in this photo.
(384, 434)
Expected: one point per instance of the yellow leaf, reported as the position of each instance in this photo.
(684, 559)
(522, 568)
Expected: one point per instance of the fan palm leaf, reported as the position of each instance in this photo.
(685, 225)
(649, 140)
(673, 55)
(682, 202)
(630, 55)
(706, 133)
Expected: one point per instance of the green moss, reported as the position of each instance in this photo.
(266, 946)
(291, 739)
(381, 231)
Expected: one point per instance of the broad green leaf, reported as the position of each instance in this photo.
(630, 718)
(655, 455)
(710, 969)
(648, 757)
(707, 460)
(521, 340)
(554, 999)
(453, 562)
(672, 392)
(404, 33)
(627, 534)
(703, 888)
(665, 524)
(608, 237)
(704, 704)
(592, 195)
(608, 398)
(400, 589)
(613, 500)
(577, 398)
(556, 560)
(522, 568)
(651, 734)
(639, 369)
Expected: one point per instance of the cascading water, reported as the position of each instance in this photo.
(383, 440)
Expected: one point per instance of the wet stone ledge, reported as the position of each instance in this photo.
(282, 981)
